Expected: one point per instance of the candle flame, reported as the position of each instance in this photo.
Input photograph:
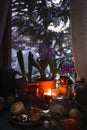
(48, 93)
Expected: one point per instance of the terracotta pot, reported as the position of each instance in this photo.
(46, 85)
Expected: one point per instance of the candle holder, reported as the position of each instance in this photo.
(64, 92)
(54, 93)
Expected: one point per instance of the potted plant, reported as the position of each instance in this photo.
(46, 59)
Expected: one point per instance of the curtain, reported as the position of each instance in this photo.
(78, 16)
(4, 7)
(5, 33)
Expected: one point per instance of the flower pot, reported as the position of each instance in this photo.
(46, 86)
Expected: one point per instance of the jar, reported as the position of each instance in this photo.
(81, 94)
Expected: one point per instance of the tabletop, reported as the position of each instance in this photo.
(5, 124)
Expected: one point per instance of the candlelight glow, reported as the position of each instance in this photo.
(63, 89)
(48, 93)
(74, 94)
(55, 92)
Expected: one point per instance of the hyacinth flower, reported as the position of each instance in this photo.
(68, 67)
(45, 52)
(47, 57)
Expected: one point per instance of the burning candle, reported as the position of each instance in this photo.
(54, 92)
(48, 93)
(40, 93)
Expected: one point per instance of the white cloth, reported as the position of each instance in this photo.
(79, 36)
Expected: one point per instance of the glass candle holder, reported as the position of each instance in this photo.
(63, 90)
(66, 90)
(54, 92)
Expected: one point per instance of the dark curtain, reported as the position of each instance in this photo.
(7, 74)
(5, 33)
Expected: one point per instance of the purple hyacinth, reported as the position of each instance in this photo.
(68, 67)
(45, 51)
